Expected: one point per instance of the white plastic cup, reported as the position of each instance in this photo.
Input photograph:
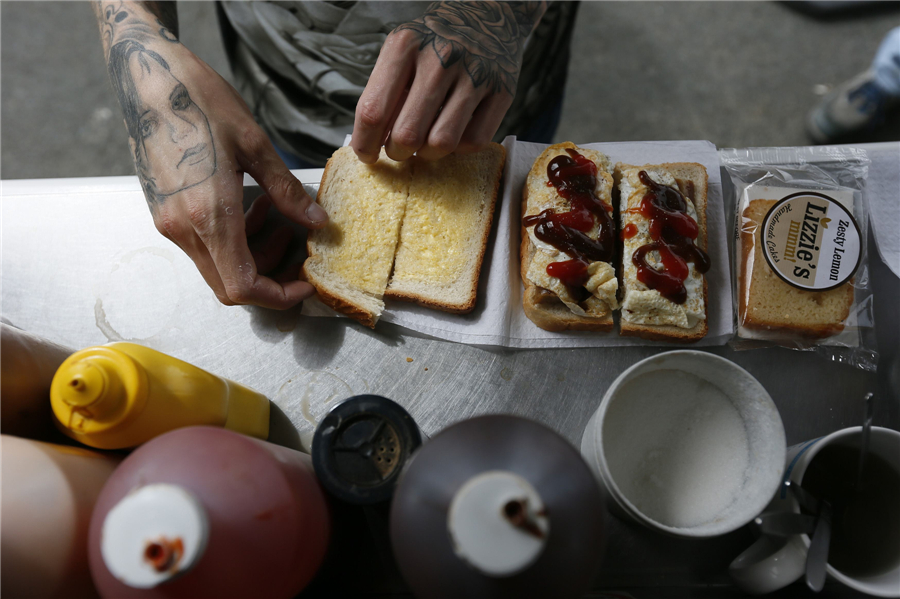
(772, 563)
(686, 443)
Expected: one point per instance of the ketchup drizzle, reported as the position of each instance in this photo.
(575, 178)
(573, 273)
(673, 232)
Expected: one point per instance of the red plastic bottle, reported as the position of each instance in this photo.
(207, 512)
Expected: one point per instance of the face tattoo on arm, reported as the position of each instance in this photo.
(169, 134)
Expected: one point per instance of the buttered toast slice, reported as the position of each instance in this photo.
(663, 298)
(350, 259)
(553, 241)
(445, 229)
(411, 230)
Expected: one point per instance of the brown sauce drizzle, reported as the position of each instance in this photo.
(575, 178)
(673, 232)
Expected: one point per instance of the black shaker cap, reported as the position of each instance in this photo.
(360, 447)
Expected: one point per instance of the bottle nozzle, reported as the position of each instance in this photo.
(498, 523)
(86, 386)
(153, 535)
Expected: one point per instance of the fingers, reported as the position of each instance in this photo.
(258, 158)
(217, 243)
(255, 217)
(448, 128)
(269, 252)
(179, 231)
(384, 94)
(227, 245)
(197, 252)
(414, 105)
(410, 131)
(484, 123)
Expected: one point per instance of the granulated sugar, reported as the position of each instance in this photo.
(676, 447)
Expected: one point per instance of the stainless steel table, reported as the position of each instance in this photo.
(82, 265)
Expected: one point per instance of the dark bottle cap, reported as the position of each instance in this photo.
(360, 447)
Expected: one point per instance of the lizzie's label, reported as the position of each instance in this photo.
(811, 241)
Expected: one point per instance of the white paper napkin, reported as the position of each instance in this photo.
(498, 318)
(883, 192)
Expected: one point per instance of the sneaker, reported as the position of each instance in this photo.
(855, 106)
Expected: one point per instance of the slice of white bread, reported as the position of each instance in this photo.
(350, 259)
(425, 222)
(445, 229)
(544, 296)
(769, 304)
(645, 312)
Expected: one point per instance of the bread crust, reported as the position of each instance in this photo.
(338, 303)
(550, 316)
(671, 333)
(751, 254)
(557, 317)
(432, 303)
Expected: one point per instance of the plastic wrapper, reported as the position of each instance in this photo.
(800, 263)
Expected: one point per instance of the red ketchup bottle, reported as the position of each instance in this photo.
(208, 512)
(498, 506)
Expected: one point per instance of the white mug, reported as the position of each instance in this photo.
(772, 563)
(687, 443)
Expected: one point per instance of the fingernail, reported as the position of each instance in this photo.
(316, 214)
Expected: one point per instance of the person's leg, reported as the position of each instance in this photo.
(887, 64)
(858, 105)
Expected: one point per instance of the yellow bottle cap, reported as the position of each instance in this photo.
(86, 385)
(95, 390)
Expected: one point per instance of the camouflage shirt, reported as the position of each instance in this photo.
(302, 66)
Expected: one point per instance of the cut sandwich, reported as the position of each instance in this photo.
(662, 218)
(445, 229)
(568, 241)
(350, 259)
(769, 304)
(413, 230)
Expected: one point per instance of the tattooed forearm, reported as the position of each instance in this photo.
(170, 135)
(166, 17)
(141, 21)
(488, 37)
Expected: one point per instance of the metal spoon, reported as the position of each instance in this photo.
(817, 556)
(785, 524)
(864, 442)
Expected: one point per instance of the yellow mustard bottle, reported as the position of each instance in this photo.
(121, 395)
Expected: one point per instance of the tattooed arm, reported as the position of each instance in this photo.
(443, 82)
(192, 137)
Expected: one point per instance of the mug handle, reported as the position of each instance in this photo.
(769, 564)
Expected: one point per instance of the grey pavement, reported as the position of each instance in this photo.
(739, 74)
